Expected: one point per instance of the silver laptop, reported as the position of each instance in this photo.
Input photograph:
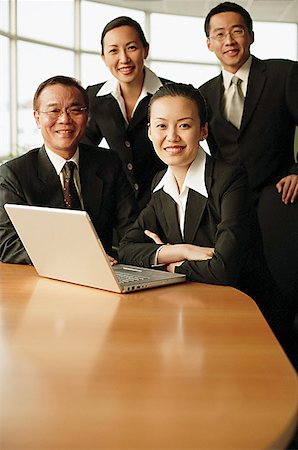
(63, 244)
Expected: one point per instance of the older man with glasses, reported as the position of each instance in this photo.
(63, 173)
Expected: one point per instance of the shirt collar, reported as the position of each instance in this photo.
(151, 84)
(242, 73)
(57, 160)
(195, 177)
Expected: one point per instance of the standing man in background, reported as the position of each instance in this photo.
(253, 105)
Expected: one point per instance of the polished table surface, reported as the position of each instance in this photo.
(190, 366)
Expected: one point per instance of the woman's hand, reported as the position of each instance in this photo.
(153, 236)
(181, 252)
(178, 253)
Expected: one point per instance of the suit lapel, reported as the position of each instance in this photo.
(256, 82)
(50, 189)
(216, 96)
(140, 113)
(91, 183)
(111, 110)
(169, 214)
(196, 204)
(195, 207)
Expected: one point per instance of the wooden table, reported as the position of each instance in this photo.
(189, 366)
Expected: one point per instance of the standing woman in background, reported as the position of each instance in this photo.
(118, 107)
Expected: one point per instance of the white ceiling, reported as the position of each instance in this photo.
(262, 10)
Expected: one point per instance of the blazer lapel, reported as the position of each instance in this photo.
(50, 189)
(171, 222)
(195, 207)
(256, 82)
(141, 113)
(196, 204)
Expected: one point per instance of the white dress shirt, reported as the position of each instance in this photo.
(58, 163)
(242, 73)
(195, 180)
(151, 84)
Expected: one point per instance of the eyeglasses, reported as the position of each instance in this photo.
(72, 111)
(235, 33)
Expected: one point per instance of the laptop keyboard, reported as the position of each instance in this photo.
(130, 278)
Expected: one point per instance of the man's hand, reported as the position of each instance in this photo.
(288, 188)
(112, 260)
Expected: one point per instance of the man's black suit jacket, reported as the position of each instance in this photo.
(31, 179)
(265, 142)
(131, 142)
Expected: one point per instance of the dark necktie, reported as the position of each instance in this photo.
(235, 103)
(70, 193)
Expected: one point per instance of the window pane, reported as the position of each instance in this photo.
(270, 39)
(49, 21)
(95, 16)
(51, 62)
(4, 15)
(4, 99)
(93, 70)
(195, 74)
(167, 42)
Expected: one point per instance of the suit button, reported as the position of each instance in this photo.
(127, 144)
(129, 166)
(136, 186)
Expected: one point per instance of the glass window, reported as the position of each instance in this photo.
(95, 16)
(4, 99)
(166, 42)
(46, 21)
(270, 39)
(51, 61)
(4, 15)
(195, 74)
(93, 70)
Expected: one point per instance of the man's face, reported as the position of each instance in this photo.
(61, 134)
(232, 46)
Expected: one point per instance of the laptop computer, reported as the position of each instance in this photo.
(63, 244)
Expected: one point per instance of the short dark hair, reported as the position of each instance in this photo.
(60, 79)
(228, 7)
(120, 22)
(182, 90)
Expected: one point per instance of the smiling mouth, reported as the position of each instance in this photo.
(126, 70)
(174, 150)
(65, 132)
(232, 52)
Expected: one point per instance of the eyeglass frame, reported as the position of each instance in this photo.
(69, 111)
(239, 30)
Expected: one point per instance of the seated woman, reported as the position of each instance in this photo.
(199, 217)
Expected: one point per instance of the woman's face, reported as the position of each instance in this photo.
(124, 54)
(175, 130)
